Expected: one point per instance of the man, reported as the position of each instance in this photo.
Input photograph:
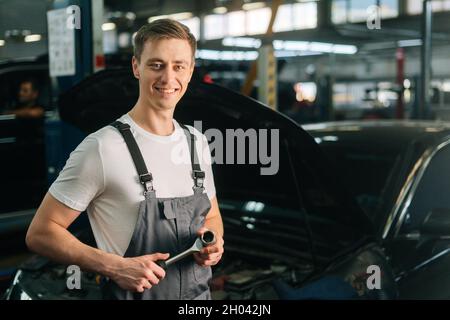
(138, 215)
(27, 96)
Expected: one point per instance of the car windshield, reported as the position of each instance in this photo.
(364, 168)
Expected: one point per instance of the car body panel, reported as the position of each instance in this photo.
(419, 261)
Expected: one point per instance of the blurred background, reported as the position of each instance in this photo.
(316, 62)
(337, 59)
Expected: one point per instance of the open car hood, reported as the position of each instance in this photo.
(305, 185)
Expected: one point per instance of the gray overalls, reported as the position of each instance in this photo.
(167, 225)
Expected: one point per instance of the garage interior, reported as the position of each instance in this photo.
(367, 80)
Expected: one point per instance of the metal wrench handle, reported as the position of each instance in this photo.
(207, 238)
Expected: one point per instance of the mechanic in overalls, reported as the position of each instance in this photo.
(146, 183)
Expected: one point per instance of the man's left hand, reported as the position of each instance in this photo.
(209, 255)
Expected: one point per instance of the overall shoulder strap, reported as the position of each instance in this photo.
(197, 174)
(145, 177)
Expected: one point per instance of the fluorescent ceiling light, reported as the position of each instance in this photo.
(446, 86)
(290, 45)
(151, 19)
(33, 38)
(285, 54)
(410, 43)
(253, 5)
(220, 10)
(308, 53)
(320, 47)
(290, 53)
(344, 49)
(108, 26)
(278, 44)
(181, 16)
(241, 42)
(226, 55)
(175, 16)
(208, 54)
(2, 43)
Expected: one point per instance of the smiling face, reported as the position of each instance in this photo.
(164, 71)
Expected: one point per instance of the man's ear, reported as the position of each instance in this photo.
(135, 65)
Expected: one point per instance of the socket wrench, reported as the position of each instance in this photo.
(206, 239)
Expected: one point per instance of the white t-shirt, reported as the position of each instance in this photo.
(100, 177)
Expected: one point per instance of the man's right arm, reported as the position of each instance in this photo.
(48, 236)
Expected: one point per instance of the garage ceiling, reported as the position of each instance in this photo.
(23, 14)
(30, 15)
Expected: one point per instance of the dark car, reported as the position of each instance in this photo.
(21, 138)
(399, 172)
(297, 234)
(22, 161)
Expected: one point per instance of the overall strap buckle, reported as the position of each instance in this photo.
(199, 178)
(146, 180)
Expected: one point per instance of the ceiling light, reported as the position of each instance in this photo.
(410, 43)
(226, 55)
(151, 19)
(241, 42)
(321, 47)
(291, 45)
(344, 49)
(108, 26)
(181, 16)
(33, 38)
(175, 16)
(290, 53)
(446, 86)
(2, 43)
(220, 10)
(285, 54)
(253, 5)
